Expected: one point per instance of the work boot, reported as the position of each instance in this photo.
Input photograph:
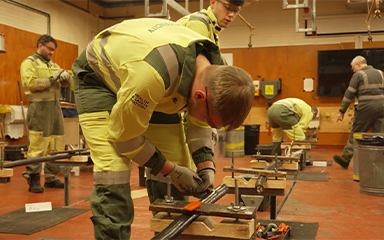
(341, 161)
(34, 183)
(54, 184)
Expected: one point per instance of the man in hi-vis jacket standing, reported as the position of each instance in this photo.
(41, 79)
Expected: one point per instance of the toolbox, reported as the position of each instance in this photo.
(15, 152)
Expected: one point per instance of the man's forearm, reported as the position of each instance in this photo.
(167, 168)
(206, 164)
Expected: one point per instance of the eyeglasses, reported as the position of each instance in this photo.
(49, 48)
(229, 8)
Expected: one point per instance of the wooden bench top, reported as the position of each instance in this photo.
(207, 209)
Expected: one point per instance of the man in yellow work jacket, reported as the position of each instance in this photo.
(211, 21)
(209, 24)
(41, 79)
(290, 116)
(138, 74)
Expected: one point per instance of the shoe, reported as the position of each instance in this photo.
(341, 161)
(54, 184)
(34, 183)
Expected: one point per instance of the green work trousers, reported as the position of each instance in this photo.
(368, 114)
(46, 134)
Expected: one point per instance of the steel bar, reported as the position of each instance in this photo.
(183, 221)
(259, 172)
(27, 161)
(259, 186)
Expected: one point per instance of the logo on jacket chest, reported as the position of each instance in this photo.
(139, 101)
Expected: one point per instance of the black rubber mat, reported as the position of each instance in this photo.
(20, 222)
(299, 230)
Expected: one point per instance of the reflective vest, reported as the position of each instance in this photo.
(35, 72)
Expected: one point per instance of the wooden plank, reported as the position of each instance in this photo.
(296, 146)
(75, 159)
(206, 227)
(259, 172)
(218, 210)
(6, 162)
(260, 164)
(6, 172)
(272, 157)
(251, 183)
(293, 166)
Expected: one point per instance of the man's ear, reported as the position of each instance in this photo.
(199, 95)
(212, 3)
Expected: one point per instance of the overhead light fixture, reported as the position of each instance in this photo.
(2, 48)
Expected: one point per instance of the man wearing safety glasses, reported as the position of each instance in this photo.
(211, 21)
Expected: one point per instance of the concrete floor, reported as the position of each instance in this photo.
(337, 205)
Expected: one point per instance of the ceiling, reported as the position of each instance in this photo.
(109, 6)
(121, 3)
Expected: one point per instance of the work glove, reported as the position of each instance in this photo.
(55, 76)
(65, 78)
(208, 177)
(186, 181)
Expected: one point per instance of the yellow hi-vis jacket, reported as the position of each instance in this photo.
(35, 72)
(302, 110)
(150, 65)
(203, 22)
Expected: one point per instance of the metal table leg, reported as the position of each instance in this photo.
(273, 207)
(66, 171)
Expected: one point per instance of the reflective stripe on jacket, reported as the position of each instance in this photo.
(35, 72)
(300, 108)
(203, 22)
(150, 65)
(365, 84)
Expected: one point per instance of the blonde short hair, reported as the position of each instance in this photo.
(232, 91)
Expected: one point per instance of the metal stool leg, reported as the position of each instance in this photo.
(66, 171)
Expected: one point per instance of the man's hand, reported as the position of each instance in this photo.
(208, 177)
(65, 78)
(186, 181)
(55, 76)
(340, 117)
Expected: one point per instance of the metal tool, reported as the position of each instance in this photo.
(259, 186)
(183, 221)
(237, 207)
(233, 164)
(168, 198)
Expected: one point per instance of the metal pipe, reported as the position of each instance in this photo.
(259, 186)
(184, 220)
(33, 10)
(27, 161)
(313, 15)
(286, 5)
